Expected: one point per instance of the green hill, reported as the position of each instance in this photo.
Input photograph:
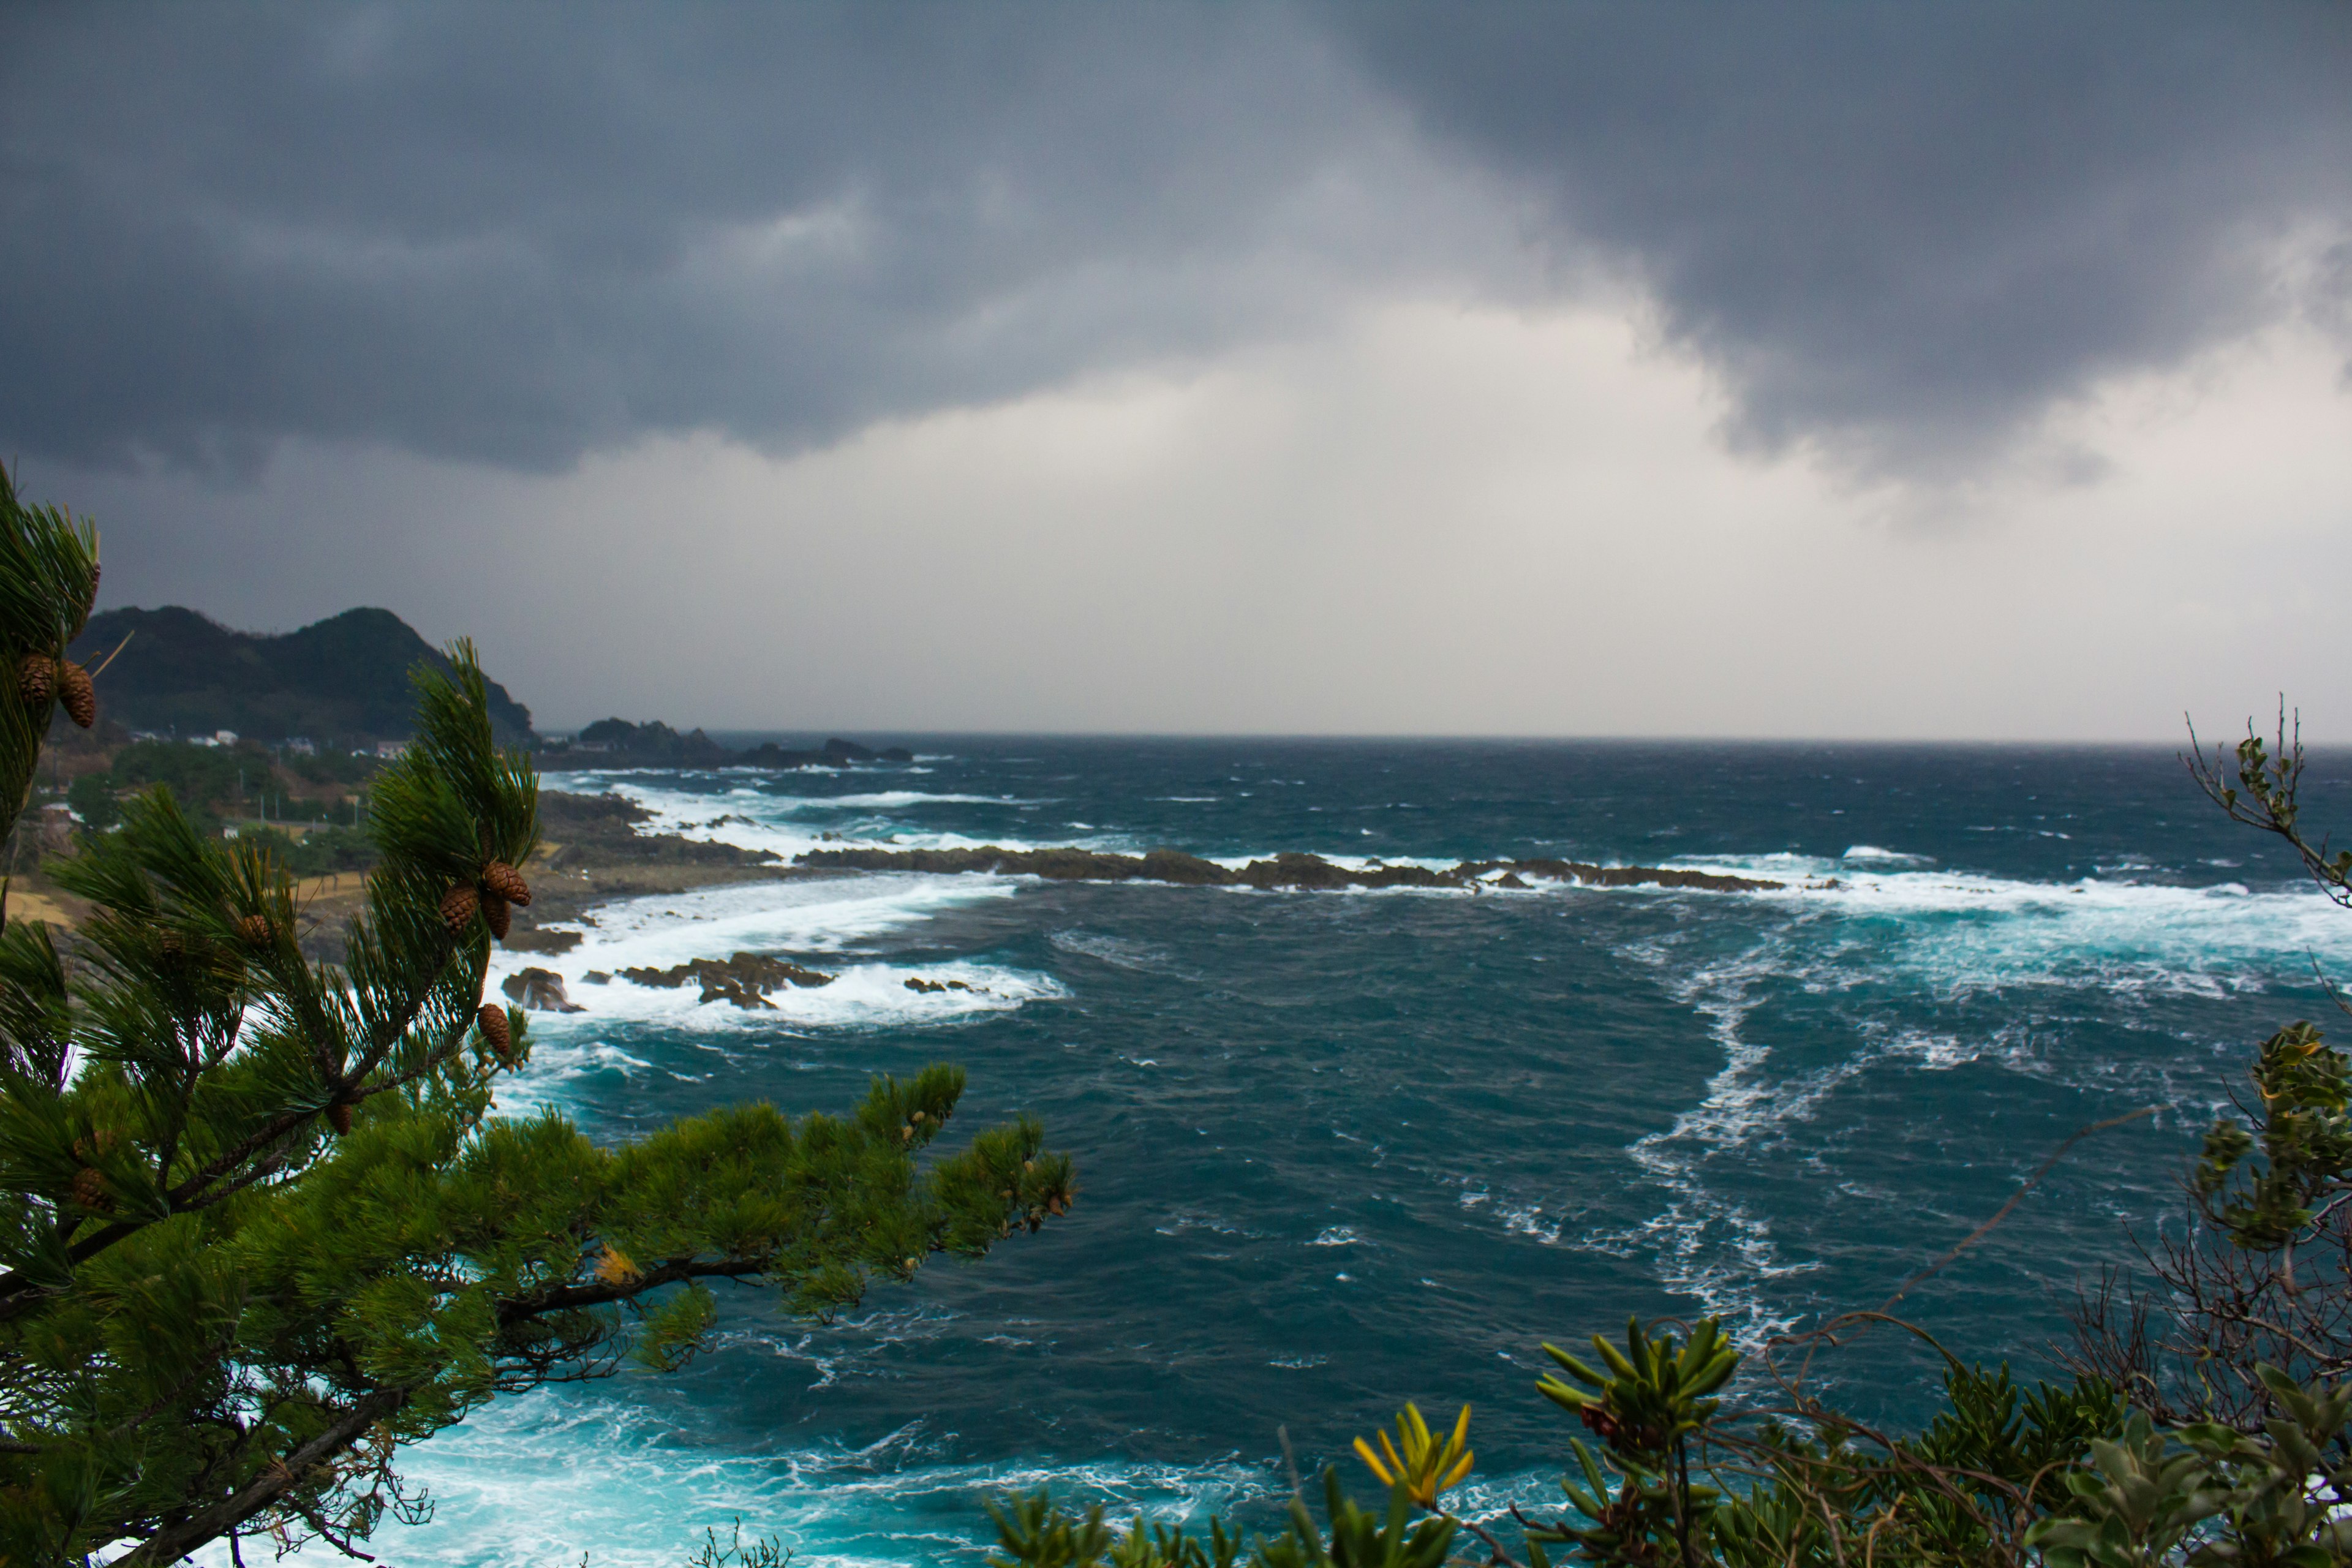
(342, 680)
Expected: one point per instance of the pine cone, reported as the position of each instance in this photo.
(503, 879)
(493, 1020)
(257, 931)
(91, 1191)
(339, 1117)
(458, 906)
(37, 679)
(497, 914)
(79, 697)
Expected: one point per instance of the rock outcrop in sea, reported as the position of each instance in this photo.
(1070, 864)
(540, 991)
(744, 979)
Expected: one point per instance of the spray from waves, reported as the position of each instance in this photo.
(1708, 1246)
(1872, 854)
(763, 821)
(544, 1478)
(1962, 933)
(813, 918)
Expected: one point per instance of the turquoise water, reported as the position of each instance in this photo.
(1338, 1151)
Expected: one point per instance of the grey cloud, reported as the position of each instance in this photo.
(512, 234)
(1908, 230)
(516, 234)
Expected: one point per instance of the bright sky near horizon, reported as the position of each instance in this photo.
(1777, 370)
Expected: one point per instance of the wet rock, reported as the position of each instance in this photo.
(1185, 870)
(1292, 870)
(743, 981)
(540, 991)
(929, 987)
(735, 993)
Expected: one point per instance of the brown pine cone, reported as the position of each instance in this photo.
(497, 914)
(257, 931)
(458, 906)
(503, 879)
(339, 1117)
(91, 1191)
(37, 679)
(79, 697)
(493, 1020)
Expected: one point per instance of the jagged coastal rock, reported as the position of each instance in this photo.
(540, 991)
(1285, 871)
(744, 979)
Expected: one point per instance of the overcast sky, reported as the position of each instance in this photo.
(1973, 371)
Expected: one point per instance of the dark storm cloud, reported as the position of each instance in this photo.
(1912, 228)
(516, 234)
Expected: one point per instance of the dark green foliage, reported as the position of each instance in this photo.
(340, 679)
(1032, 1533)
(48, 578)
(1645, 1408)
(214, 778)
(2306, 1143)
(258, 1229)
(333, 765)
(321, 852)
(93, 799)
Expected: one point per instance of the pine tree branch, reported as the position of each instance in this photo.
(175, 1541)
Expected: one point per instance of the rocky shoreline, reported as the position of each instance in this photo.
(1305, 872)
(591, 852)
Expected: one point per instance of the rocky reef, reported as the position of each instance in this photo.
(540, 991)
(1285, 871)
(744, 979)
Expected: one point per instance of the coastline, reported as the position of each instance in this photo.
(590, 854)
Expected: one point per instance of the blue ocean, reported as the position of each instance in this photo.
(1338, 1151)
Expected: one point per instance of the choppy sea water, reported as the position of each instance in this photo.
(1338, 1151)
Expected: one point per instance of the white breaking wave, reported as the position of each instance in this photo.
(789, 826)
(1891, 856)
(810, 920)
(1962, 932)
(539, 1480)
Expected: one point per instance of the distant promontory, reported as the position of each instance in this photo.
(615, 742)
(342, 681)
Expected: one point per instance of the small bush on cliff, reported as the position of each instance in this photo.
(2208, 1421)
(258, 1229)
